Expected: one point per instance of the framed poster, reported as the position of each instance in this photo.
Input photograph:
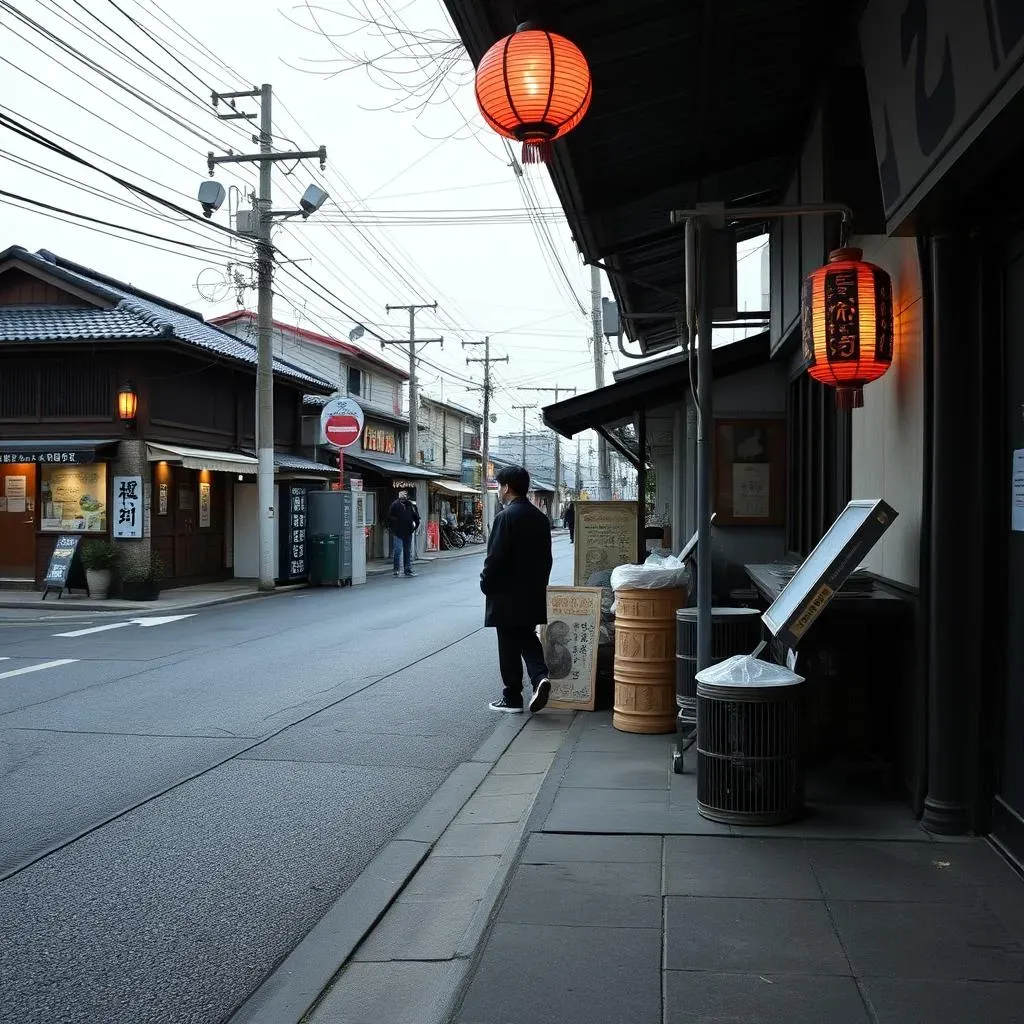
(750, 472)
(204, 505)
(570, 645)
(127, 511)
(605, 537)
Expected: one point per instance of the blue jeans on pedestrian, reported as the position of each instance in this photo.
(402, 550)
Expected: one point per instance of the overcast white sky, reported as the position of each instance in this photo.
(478, 255)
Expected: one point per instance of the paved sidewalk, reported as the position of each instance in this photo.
(384, 566)
(627, 905)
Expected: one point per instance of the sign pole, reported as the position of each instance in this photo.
(341, 470)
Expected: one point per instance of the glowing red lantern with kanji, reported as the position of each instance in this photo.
(847, 325)
(533, 86)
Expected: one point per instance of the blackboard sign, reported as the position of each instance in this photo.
(294, 522)
(65, 570)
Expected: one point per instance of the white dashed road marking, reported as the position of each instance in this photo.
(36, 668)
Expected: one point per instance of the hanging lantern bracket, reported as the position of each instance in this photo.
(717, 214)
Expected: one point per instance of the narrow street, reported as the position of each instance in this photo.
(181, 801)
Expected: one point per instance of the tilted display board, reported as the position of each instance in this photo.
(605, 536)
(570, 641)
(822, 573)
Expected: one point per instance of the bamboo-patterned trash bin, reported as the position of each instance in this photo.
(645, 659)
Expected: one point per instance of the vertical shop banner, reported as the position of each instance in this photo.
(294, 526)
(204, 506)
(127, 512)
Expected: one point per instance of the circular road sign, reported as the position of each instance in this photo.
(341, 423)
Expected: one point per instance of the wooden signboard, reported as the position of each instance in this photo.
(605, 537)
(65, 570)
(570, 646)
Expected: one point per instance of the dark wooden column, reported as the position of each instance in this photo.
(641, 485)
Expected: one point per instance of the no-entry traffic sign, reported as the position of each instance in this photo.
(341, 423)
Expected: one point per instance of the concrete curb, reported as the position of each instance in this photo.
(145, 607)
(287, 994)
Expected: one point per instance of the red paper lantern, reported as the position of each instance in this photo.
(847, 325)
(533, 86)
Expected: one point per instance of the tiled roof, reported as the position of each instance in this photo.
(70, 323)
(298, 464)
(149, 317)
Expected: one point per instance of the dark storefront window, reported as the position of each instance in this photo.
(819, 459)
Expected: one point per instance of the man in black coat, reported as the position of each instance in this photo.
(569, 518)
(514, 580)
(404, 521)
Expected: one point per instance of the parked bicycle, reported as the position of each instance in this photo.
(472, 530)
(451, 536)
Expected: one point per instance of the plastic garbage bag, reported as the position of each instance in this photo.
(746, 670)
(657, 573)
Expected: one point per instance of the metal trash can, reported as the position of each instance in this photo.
(733, 631)
(748, 743)
(325, 559)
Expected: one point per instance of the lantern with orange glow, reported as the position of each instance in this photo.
(127, 404)
(533, 86)
(847, 325)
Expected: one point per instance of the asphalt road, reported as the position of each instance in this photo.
(181, 802)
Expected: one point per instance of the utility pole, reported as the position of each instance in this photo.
(487, 389)
(264, 216)
(524, 409)
(604, 492)
(414, 402)
(558, 450)
(579, 470)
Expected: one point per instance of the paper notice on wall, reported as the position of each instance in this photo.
(751, 490)
(1017, 492)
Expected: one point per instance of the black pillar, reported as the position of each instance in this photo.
(641, 487)
(955, 552)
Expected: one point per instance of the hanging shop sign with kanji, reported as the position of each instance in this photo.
(294, 526)
(126, 512)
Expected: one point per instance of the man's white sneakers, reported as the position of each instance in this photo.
(502, 705)
(541, 693)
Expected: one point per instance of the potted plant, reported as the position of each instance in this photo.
(99, 558)
(142, 582)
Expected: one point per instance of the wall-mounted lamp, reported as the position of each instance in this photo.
(127, 405)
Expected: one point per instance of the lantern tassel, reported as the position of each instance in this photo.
(537, 153)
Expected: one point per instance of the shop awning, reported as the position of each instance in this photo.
(199, 458)
(296, 465)
(454, 487)
(66, 452)
(388, 468)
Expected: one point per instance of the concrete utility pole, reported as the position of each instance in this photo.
(524, 409)
(488, 387)
(604, 492)
(579, 470)
(265, 316)
(414, 402)
(558, 450)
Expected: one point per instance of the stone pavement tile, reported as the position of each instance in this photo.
(904, 872)
(474, 840)
(847, 821)
(523, 764)
(626, 811)
(585, 895)
(509, 785)
(978, 861)
(538, 741)
(456, 877)
(698, 997)
(546, 975)
(591, 770)
(493, 810)
(899, 1001)
(1007, 906)
(927, 940)
(606, 738)
(728, 866)
(545, 848)
(751, 937)
(418, 930)
(395, 993)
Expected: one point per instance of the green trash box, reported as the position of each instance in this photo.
(324, 559)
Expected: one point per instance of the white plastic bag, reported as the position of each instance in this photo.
(746, 670)
(657, 573)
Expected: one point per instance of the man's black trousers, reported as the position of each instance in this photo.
(518, 644)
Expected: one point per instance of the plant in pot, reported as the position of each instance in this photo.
(142, 582)
(99, 558)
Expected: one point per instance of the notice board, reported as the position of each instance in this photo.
(570, 641)
(65, 570)
(605, 537)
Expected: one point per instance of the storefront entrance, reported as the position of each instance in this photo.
(1008, 817)
(188, 521)
(17, 522)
